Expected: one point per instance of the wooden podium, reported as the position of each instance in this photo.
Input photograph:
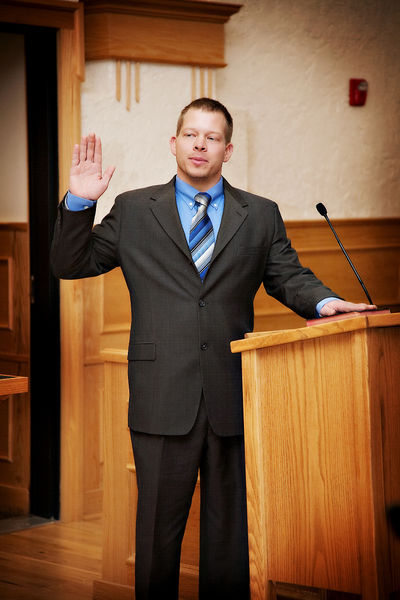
(322, 438)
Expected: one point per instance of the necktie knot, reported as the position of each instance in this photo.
(203, 199)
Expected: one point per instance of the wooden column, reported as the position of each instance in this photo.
(70, 70)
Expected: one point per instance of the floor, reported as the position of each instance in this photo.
(49, 561)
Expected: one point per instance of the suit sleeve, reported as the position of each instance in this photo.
(80, 250)
(287, 280)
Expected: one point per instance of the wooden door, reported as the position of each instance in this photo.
(14, 360)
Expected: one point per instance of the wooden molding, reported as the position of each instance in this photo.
(186, 10)
(43, 13)
(13, 226)
(156, 31)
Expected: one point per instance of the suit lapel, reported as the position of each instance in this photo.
(235, 213)
(165, 211)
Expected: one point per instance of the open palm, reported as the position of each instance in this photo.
(86, 177)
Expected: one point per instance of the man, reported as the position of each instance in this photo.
(193, 264)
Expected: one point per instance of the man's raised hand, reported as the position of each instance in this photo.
(86, 178)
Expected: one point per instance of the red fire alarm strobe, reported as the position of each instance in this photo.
(358, 92)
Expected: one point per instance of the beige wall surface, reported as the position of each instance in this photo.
(289, 63)
(13, 130)
(296, 138)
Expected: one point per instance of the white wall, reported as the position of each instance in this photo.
(296, 138)
(13, 131)
(289, 63)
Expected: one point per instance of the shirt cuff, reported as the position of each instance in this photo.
(322, 303)
(75, 203)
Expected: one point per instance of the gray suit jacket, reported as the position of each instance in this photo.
(181, 327)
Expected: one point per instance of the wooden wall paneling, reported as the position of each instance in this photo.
(6, 304)
(93, 455)
(373, 246)
(116, 315)
(14, 349)
(94, 396)
(101, 325)
(6, 429)
(156, 31)
(118, 499)
(15, 293)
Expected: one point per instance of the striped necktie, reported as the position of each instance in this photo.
(201, 237)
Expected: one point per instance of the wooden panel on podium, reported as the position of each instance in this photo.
(322, 434)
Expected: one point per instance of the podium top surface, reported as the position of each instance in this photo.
(254, 341)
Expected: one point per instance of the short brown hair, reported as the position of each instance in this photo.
(209, 105)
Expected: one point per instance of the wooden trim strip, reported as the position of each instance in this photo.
(14, 226)
(20, 359)
(45, 13)
(186, 10)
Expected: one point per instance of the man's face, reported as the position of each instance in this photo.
(200, 148)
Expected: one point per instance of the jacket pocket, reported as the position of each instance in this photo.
(142, 351)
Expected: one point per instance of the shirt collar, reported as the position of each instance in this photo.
(187, 193)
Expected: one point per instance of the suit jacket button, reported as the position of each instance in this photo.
(202, 302)
(204, 346)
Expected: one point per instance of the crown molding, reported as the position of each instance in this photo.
(186, 10)
(44, 13)
(157, 31)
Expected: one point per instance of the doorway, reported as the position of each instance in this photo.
(43, 361)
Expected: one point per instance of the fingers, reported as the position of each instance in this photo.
(83, 149)
(88, 149)
(97, 151)
(362, 307)
(351, 307)
(341, 306)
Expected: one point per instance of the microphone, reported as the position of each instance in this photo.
(322, 211)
